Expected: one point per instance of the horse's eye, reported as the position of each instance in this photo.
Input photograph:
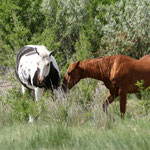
(69, 73)
(47, 65)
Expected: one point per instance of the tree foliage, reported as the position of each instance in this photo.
(127, 28)
(74, 29)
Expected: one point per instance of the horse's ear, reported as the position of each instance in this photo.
(51, 52)
(77, 63)
(36, 51)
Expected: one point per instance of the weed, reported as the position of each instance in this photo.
(145, 96)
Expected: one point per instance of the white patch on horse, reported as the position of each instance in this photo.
(27, 69)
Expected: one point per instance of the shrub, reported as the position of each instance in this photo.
(127, 28)
(145, 97)
(22, 106)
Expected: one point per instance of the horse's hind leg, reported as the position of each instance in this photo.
(23, 89)
(123, 101)
(109, 99)
(31, 119)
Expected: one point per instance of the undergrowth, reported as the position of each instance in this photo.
(73, 121)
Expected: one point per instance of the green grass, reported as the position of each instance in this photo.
(125, 135)
(76, 122)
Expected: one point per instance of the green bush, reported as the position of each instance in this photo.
(74, 29)
(67, 27)
(145, 97)
(22, 106)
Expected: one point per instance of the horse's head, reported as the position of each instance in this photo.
(43, 65)
(72, 76)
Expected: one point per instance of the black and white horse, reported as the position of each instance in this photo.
(37, 70)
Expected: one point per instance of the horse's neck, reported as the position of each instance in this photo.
(93, 69)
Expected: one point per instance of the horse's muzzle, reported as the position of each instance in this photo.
(41, 79)
(64, 85)
(64, 88)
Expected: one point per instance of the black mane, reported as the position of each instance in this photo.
(53, 78)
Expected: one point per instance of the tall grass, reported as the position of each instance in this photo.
(72, 121)
(127, 135)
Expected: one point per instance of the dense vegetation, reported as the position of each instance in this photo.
(74, 29)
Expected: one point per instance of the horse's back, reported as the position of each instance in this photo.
(24, 51)
(123, 59)
(127, 74)
(145, 58)
(116, 60)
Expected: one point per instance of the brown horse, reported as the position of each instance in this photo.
(119, 74)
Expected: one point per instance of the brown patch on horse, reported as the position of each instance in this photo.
(119, 74)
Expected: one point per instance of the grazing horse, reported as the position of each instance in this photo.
(119, 74)
(37, 70)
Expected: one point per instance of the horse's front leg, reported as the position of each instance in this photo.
(109, 99)
(123, 101)
(38, 95)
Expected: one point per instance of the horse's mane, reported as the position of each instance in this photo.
(102, 64)
(53, 78)
(93, 60)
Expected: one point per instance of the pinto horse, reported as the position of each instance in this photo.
(119, 74)
(37, 70)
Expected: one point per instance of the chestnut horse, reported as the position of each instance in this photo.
(119, 74)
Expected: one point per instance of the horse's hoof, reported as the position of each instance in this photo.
(31, 119)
